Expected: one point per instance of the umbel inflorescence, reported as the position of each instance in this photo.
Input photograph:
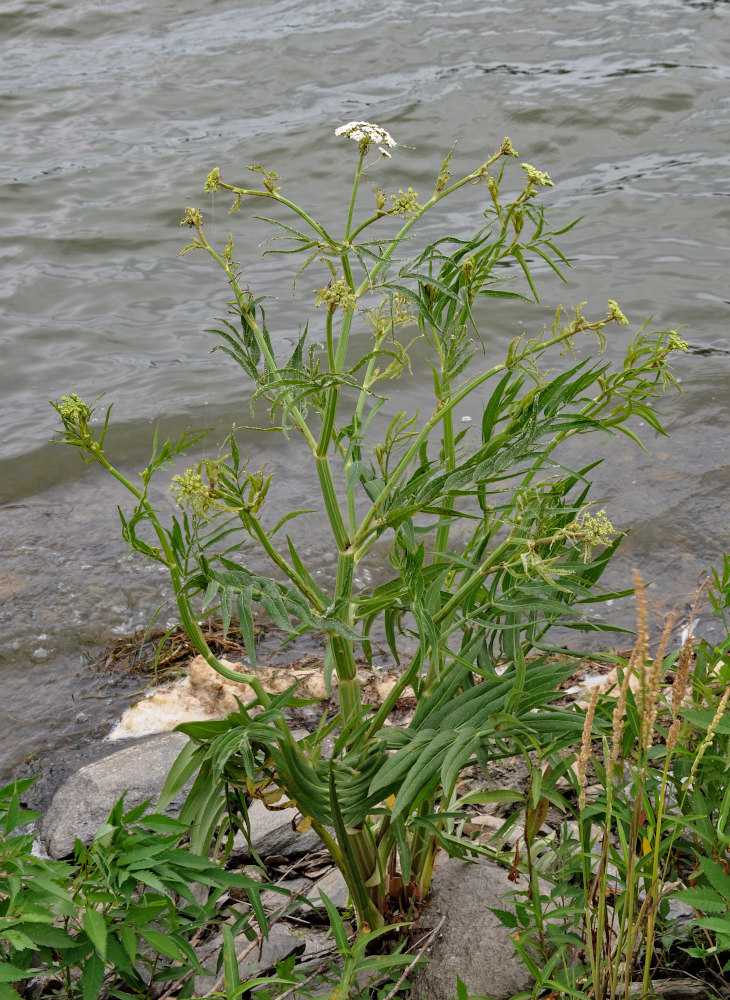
(365, 133)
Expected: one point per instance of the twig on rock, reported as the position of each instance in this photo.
(425, 943)
(220, 981)
(305, 982)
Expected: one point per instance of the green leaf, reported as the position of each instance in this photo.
(162, 943)
(150, 879)
(47, 937)
(10, 974)
(8, 993)
(92, 978)
(230, 961)
(128, 939)
(117, 955)
(17, 939)
(702, 719)
(186, 764)
(702, 899)
(717, 877)
(498, 795)
(95, 927)
(287, 517)
(165, 824)
(336, 925)
(720, 925)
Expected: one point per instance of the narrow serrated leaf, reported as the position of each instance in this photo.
(95, 927)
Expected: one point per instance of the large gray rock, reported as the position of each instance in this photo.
(83, 802)
(471, 944)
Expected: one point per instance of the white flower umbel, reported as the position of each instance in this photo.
(365, 133)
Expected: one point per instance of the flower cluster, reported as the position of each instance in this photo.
(591, 530)
(405, 203)
(212, 181)
(193, 218)
(675, 342)
(365, 133)
(73, 409)
(615, 313)
(536, 177)
(191, 492)
(337, 293)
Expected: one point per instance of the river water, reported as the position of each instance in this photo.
(113, 115)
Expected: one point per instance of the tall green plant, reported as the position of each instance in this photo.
(473, 598)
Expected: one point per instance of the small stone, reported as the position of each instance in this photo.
(334, 888)
(272, 900)
(81, 717)
(39, 655)
(680, 911)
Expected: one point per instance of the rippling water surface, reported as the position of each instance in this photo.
(112, 118)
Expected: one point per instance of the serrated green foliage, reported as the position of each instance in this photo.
(121, 912)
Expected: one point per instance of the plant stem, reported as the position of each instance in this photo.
(187, 616)
(355, 186)
(252, 193)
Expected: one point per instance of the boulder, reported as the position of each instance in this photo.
(85, 799)
(472, 944)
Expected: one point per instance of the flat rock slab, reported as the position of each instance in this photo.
(472, 944)
(84, 801)
(334, 888)
(49, 770)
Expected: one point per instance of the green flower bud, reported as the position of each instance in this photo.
(211, 181)
(73, 409)
(675, 342)
(337, 293)
(536, 177)
(405, 203)
(615, 313)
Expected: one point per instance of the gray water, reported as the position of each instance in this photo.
(114, 114)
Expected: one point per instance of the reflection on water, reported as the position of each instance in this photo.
(113, 120)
